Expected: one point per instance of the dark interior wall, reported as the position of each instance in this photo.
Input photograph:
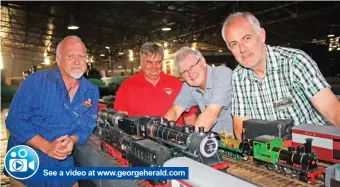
(328, 61)
(229, 60)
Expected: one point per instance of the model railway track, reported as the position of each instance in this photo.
(261, 176)
(324, 164)
(95, 143)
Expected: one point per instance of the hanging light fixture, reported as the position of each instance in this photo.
(166, 29)
(330, 33)
(165, 25)
(72, 24)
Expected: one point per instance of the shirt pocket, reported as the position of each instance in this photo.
(286, 107)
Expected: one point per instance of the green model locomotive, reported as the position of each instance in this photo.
(269, 151)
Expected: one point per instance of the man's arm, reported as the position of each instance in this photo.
(174, 112)
(183, 101)
(190, 120)
(308, 77)
(190, 117)
(18, 121)
(221, 97)
(121, 103)
(208, 117)
(238, 125)
(328, 105)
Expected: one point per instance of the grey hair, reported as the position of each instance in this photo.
(183, 52)
(73, 37)
(247, 15)
(151, 48)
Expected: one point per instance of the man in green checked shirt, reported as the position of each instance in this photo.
(272, 82)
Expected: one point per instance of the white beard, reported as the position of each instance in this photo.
(76, 75)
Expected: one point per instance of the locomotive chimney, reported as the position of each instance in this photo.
(186, 129)
(172, 123)
(201, 129)
(308, 145)
(243, 134)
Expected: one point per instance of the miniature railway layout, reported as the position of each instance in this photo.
(247, 170)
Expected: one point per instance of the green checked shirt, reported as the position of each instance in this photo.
(292, 78)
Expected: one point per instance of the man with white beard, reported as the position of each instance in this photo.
(54, 110)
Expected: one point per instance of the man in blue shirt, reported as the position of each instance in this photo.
(53, 111)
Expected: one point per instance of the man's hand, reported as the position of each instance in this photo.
(208, 117)
(174, 112)
(56, 150)
(62, 147)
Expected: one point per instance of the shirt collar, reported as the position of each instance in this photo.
(271, 61)
(84, 85)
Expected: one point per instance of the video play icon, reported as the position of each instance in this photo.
(21, 162)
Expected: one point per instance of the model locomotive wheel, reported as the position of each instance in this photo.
(271, 167)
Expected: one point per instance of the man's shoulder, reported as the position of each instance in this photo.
(222, 70)
(89, 84)
(41, 74)
(133, 80)
(286, 52)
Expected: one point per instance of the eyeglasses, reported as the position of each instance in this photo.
(190, 68)
(69, 109)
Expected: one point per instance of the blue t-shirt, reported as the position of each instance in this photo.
(41, 106)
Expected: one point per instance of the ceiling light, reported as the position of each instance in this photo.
(120, 53)
(166, 29)
(72, 24)
(119, 66)
(107, 47)
(47, 61)
(102, 54)
(330, 35)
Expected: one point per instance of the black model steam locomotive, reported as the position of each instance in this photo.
(150, 141)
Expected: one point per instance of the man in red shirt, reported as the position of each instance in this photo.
(151, 92)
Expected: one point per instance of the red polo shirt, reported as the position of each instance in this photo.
(137, 96)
